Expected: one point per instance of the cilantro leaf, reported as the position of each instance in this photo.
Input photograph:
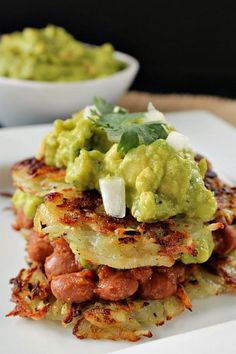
(147, 133)
(151, 131)
(128, 129)
(129, 140)
(119, 120)
(102, 106)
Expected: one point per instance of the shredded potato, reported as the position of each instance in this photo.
(120, 243)
(120, 320)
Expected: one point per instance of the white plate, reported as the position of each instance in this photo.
(209, 136)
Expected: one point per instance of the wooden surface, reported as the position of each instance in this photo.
(222, 107)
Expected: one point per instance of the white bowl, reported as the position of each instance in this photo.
(30, 102)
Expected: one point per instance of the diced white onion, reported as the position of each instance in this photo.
(88, 111)
(113, 137)
(113, 196)
(153, 115)
(151, 107)
(178, 141)
(116, 109)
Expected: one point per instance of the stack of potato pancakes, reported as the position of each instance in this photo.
(124, 226)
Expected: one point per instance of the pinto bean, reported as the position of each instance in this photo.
(61, 261)
(21, 220)
(105, 272)
(225, 240)
(73, 287)
(38, 247)
(141, 274)
(163, 282)
(178, 270)
(159, 286)
(115, 285)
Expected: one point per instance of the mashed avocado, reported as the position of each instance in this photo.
(61, 147)
(202, 238)
(26, 202)
(160, 181)
(52, 54)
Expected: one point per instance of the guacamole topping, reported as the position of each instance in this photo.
(160, 181)
(26, 202)
(202, 238)
(52, 54)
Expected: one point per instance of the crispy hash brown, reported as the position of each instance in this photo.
(123, 319)
(119, 243)
(112, 278)
(30, 293)
(35, 177)
(225, 195)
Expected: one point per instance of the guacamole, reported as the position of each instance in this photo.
(160, 181)
(26, 202)
(52, 54)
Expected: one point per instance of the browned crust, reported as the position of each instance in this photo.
(225, 195)
(86, 209)
(220, 266)
(37, 168)
(183, 296)
(73, 312)
(108, 328)
(25, 288)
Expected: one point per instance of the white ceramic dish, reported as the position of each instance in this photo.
(209, 136)
(29, 102)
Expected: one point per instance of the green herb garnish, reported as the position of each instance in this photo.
(126, 128)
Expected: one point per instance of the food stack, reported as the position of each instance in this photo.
(124, 224)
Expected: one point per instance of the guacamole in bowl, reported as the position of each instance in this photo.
(53, 54)
(48, 74)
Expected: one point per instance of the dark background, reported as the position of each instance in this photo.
(183, 46)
